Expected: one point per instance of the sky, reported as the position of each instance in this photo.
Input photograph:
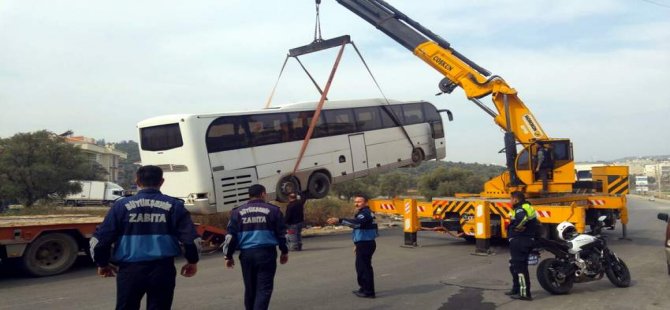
(593, 71)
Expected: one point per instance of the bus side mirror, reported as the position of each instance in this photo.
(449, 115)
(663, 217)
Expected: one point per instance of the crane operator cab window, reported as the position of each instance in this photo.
(559, 153)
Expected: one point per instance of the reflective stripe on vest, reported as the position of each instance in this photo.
(530, 213)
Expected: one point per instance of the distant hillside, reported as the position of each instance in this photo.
(651, 157)
(430, 179)
(127, 166)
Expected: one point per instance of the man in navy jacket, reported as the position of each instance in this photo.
(364, 234)
(146, 230)
(257, 228)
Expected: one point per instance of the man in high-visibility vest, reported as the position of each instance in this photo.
(521, 232)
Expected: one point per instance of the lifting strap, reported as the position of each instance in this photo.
(386, 108)
(317, 112)
(317, 45)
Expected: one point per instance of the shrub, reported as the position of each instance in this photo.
(318, 211)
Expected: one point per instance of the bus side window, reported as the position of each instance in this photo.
(299, 125)
(340, 121)
(387, 121)
(266, 128)
(300, 121)
(412, 113)
(368, 118)
(286, 131)
(226, 133)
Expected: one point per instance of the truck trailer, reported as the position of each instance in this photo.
(46, 245)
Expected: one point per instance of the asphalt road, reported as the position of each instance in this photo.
(440, 274)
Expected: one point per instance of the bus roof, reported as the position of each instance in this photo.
(298, 106)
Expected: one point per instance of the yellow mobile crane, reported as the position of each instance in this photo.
(484, 215)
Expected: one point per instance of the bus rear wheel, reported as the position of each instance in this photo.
(318, 185)
(285, 186)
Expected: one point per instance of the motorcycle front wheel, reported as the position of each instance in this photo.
(551, 279)
(617, 272)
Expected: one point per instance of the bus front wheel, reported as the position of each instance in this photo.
(417, 157)
(318, 185)
(285, 186)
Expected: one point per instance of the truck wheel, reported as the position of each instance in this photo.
(318, 185)
(50, 254)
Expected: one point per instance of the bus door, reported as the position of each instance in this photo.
(359, 155)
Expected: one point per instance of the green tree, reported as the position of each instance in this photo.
(39, 165)
(348, 189)
(395, 183)
(447, 182)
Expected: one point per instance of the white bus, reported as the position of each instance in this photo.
(211, 160)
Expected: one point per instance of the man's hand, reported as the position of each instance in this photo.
(189, 270)
(230, 263)
(108, 271)
(519, 228)
(283, 259)
(333, 221)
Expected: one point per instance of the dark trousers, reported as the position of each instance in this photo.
(543, 174)
(520, 248)
(155, 278)
(364, 272)
(258, 270)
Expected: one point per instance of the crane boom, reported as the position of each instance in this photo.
(511, 114)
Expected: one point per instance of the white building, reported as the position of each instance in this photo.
(107, 156)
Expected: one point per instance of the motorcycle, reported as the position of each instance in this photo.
(580, 258)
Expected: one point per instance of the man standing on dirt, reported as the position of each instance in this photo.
(295, 216)
(146, 230)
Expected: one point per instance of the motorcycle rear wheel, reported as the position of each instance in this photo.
(617, 272)
(546, 275)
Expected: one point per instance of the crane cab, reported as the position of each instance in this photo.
(560, 167)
